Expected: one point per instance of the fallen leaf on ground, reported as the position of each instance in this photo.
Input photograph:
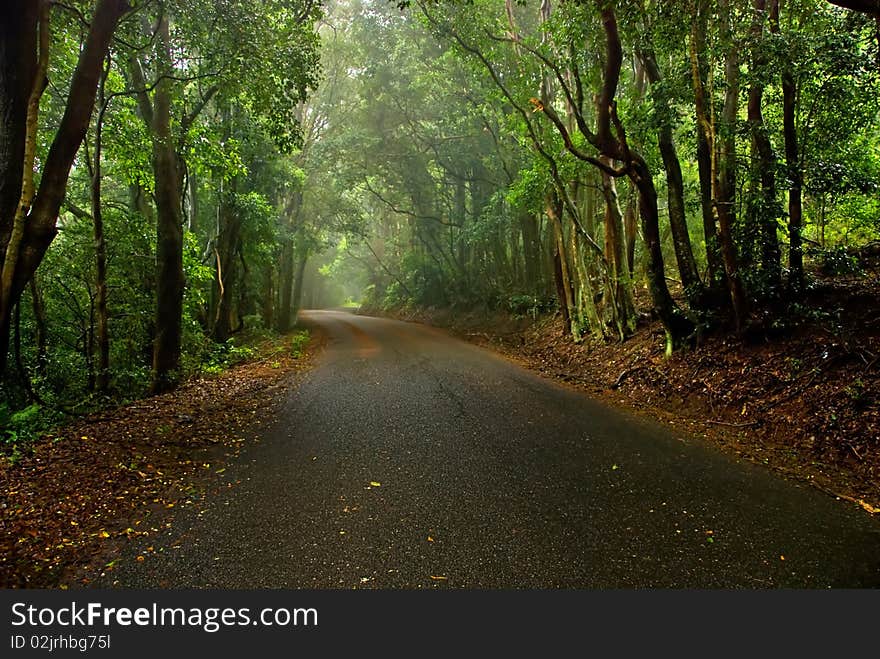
(868, 507)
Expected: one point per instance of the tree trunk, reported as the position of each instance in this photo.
(298, 284)
(193, 196)
(677, 326)
(225, 252)
(560, 274)
(103, 336)
(285, 284)
(583, 294)
(722, 149)
(630, 226)
(715, 276)
(725, 197)
(793, 169)
(40, 332)
(681, 240)
(618, 277)
(19, 69)
(531, 245)
(763, 165)
(169, 231)
(286, 267)
(268, 302)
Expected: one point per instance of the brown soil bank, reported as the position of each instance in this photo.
(69, 505)
(803, 402)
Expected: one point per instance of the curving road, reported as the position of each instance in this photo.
(409, 459)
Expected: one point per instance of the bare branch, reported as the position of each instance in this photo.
(575, 101)
(403, 211)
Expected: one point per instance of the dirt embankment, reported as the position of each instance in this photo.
(69, 505)
(803, 401)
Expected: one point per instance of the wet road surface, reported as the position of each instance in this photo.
(409, 459)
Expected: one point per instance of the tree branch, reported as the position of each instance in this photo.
(575, 101)
(403, 211)
(863, 6)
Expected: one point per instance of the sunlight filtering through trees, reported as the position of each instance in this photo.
(177, 176)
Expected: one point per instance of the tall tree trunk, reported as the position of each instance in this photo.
(285, 284)
(681, 240)
(169, 230)
(40, 326)
(531, 246)
(630, 226)
(763, 163)
(286, 266)
(716, 276)
(298, 284)
(225, 253)
(722, 148)
(89, 343)
(619, 281)
(560, 268)
(193, 197)
(103, 332)
(585, 313)
(18, 80)
(793, 170)
(677, 326)
(725, 197)
(268, 302)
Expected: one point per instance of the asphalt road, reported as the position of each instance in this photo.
(409, 459)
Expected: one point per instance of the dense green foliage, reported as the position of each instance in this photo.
(236, 76)
(579, 157)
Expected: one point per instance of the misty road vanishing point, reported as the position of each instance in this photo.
(409, 459)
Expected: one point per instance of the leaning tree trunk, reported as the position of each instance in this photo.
(676, 325)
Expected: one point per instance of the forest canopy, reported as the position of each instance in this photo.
(181, 177)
